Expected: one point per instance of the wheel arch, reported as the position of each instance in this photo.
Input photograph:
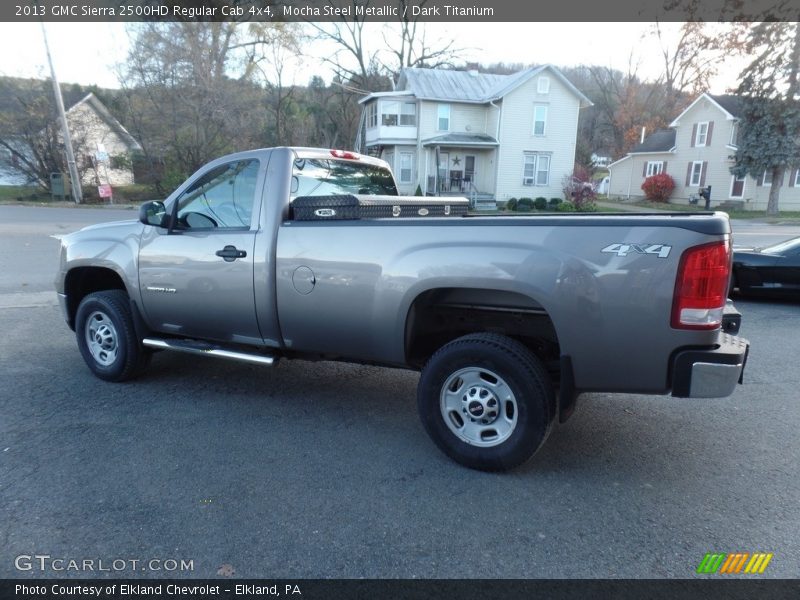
(439, 315)
(81, 281)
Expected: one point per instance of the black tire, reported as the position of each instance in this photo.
(452, 387)
(109, 344)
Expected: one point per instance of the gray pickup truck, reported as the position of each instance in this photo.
(308, 253)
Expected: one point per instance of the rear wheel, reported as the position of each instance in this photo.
(107, 338)
(486, 401)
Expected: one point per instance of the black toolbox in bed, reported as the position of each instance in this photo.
(343, 207)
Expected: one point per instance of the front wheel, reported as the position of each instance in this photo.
(486, 401)
(107, 338)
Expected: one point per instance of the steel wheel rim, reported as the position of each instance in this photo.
(101, 338)
(479, 407)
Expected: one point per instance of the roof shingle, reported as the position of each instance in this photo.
(662, 140)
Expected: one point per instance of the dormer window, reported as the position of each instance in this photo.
(543, 85)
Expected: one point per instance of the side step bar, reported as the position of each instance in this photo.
(206, 349)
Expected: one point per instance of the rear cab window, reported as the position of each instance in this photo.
(335, 177)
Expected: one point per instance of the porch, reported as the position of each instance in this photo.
(461, 164)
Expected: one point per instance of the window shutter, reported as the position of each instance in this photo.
(644, 169)
(703, 173)
(688, 174)
(694, 134)
(664, 167)
(710, 129)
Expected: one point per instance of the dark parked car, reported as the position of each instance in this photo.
(774, 269)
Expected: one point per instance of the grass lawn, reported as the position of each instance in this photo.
(785, 215)
(22, 192)
(123, 195)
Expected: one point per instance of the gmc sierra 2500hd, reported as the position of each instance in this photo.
(308, 253)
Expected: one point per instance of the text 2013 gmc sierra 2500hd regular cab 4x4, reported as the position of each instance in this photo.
(307, 253)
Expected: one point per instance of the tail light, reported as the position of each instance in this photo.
(345, 154)
(701, 287)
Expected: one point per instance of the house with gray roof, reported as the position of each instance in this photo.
(486, 136)
(103, 147)
(697, 151)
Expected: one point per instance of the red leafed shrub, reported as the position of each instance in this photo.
(658, 187)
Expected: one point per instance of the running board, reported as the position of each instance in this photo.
(206, 349)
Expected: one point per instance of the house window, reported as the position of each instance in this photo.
(536, 169)
(702, 134)
(797, 178)
(406, 162)
(372, 114)
(735, 134)
(543, 85)
(539, 119)
(737, 186)
(655, 167)
(398, 113)
(697, 173)
(767, 178)
(408, 114)
(443, 117)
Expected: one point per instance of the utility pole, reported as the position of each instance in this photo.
(75, 180)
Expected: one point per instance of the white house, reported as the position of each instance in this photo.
(697, 151)
(102, 146)
(489, 137)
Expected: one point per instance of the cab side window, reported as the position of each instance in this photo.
(220, 199)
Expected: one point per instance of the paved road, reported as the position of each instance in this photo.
(322, 470)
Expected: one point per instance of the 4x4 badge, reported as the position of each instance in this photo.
(659, 250)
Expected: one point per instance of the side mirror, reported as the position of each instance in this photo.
(153, 213)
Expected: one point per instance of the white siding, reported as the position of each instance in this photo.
(621, 185)
(89, 132)
(717, 156)
(517, 138)
(628, 175)
(464, 118)
(392, 156)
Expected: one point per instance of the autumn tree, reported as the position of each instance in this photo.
(770, 121)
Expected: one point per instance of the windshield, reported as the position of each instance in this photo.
(782, 247)
(325, 177)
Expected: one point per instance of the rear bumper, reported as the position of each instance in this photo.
(710, 373)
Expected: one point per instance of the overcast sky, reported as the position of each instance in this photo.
(87, 53)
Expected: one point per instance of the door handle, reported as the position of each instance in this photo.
(231, 253)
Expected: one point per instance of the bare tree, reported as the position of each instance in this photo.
(408, 45)
(689, 63)
(192, 91)
(31, 137)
